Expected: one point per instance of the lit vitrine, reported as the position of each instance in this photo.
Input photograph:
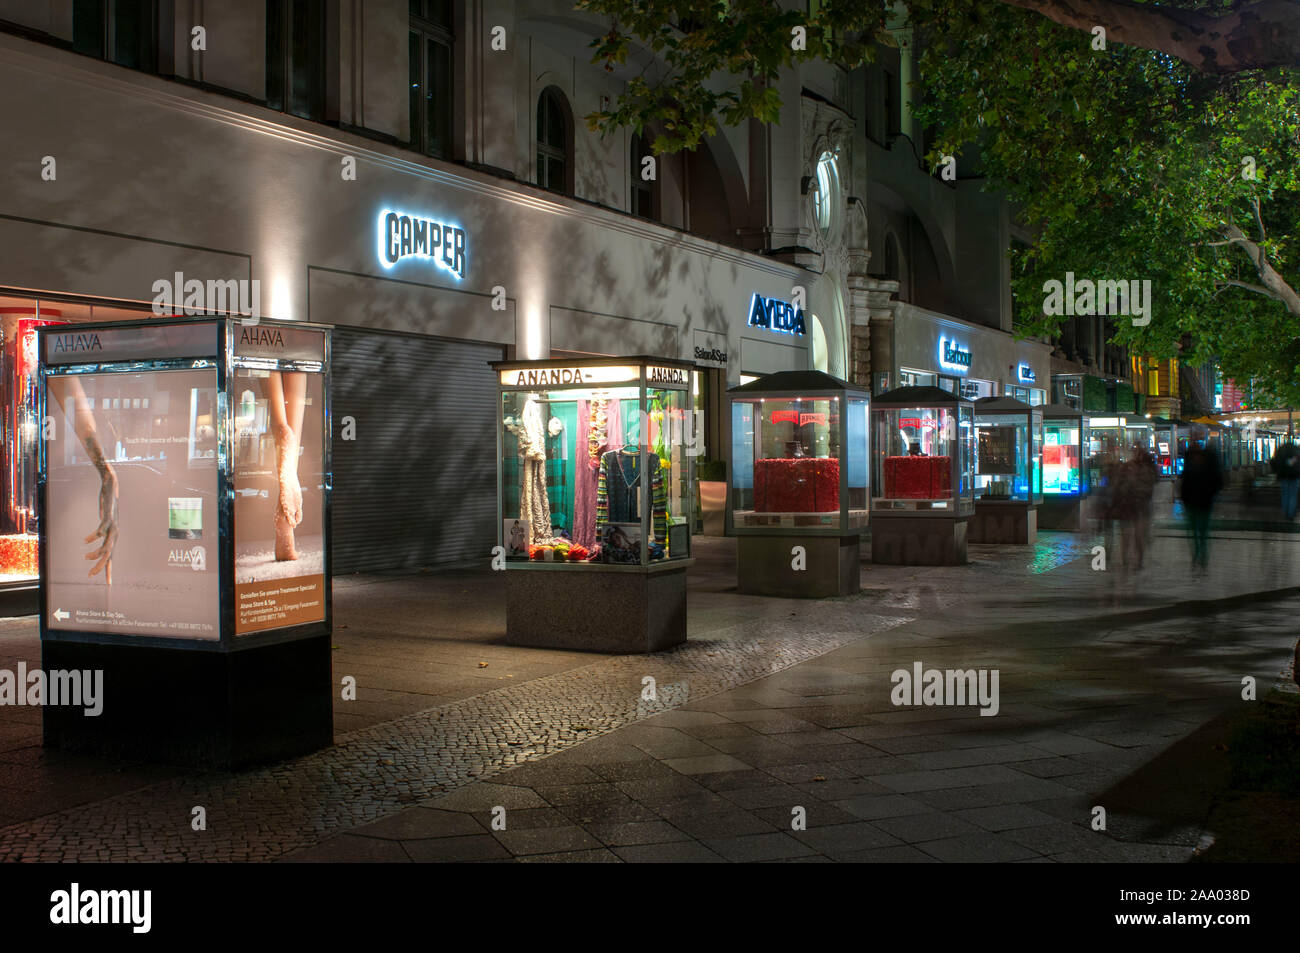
(923, 449)
(798, 455)
(1008, 450)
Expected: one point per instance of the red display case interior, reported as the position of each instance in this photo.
(801, 485)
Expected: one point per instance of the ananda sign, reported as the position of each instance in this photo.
(600, 374)
(403, 236)
(776, 316)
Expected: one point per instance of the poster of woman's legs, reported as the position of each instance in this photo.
(279, 498)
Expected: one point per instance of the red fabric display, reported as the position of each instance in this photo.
(802, 485)
(918, 478)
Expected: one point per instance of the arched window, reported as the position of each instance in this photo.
(554, 153)
(642, 190)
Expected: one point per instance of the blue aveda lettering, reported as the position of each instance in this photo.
(778, 316)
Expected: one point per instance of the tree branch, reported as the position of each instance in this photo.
(1258, 35)
(1273, 281)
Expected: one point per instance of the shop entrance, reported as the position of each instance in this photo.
(415, 470)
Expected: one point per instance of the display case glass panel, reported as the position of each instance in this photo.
(1062, 457)
(595, 467)
(786, 457)
(922, 459)
(799, 460)
(1008, 456)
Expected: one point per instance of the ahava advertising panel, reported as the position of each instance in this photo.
(279, 467)
(131, 503)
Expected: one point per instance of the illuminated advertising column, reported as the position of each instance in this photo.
(184, 517)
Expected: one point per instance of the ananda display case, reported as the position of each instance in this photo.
(1008, 471)
(595, 481)
(922, 476)
(798, 476)
(1065, 434)
(196, 452)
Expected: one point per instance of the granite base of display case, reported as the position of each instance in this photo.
(1010, 522)
(595, 608)
(1061, 513)
(199, 709)
(918, 540)
(765, 565)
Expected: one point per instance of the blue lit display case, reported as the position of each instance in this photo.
(1065, 478)
(1008, 470)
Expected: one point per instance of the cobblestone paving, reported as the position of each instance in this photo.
(262, 814)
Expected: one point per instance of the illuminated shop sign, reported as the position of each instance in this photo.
(403, 236)
(798, 419)
(779, 317)
(1025, 373)
(579, 376)
(952, 356)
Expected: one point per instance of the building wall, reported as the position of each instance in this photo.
(217, 188)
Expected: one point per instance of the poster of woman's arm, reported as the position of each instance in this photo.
(88, 434)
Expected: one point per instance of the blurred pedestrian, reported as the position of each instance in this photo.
(1286, 464)
(1202, 481)
(1137, 484)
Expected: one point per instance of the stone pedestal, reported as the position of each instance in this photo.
(909, 540)
(597, 608)
(221, 710)
(1011, 522)
(765, 565)
(1061, 513)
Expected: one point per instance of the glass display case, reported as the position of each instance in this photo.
(922, 476)
(1008, 450)
(923, 449)
(595, 479)
(1164, 439)
(594, 466)
(1065, 434)
(798, 455)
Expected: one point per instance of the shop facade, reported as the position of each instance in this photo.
(970, 360)
(425, 271)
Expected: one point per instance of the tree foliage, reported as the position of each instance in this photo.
(1126, 162)
(1131, 165)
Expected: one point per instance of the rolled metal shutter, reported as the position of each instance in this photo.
(417, 487)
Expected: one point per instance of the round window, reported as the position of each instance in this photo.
(827, 197)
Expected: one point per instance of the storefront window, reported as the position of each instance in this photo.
(19, 420)
(911, 378)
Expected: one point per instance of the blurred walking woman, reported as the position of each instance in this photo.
(1202, 481)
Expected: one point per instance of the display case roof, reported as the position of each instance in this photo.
(925, 396)
(799, 382)
(1002, 405)
(1056, 411)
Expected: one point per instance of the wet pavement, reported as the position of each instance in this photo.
(773, 705)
